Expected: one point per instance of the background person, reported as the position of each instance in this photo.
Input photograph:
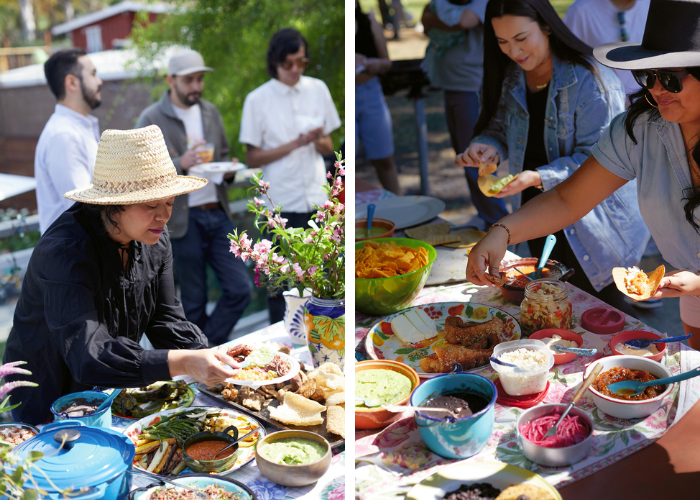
(101, 277)
(65, 154)
(286, 126)
(545, 103)
(201, 220)
(372, 118)
(457, 67)
(654, 142)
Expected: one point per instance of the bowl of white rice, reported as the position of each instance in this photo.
(533, 361)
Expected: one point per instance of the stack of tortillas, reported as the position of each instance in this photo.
(651, 281)
(439, 234)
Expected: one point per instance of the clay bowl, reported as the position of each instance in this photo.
(638, 334)
(562, 357)
(514, 288)
(293, 475)
(388, 226)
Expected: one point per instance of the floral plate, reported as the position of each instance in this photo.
(497, 474)
(381, 343)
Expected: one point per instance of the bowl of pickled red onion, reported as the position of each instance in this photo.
(571, 444)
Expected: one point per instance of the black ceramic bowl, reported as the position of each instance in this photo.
(219, 465)
(514, 288)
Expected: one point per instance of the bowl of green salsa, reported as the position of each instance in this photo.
(293, 458)
(381, 228)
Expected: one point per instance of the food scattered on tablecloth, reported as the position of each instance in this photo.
(386, 260)
(635, 283)
(572, 430)
(620, 374)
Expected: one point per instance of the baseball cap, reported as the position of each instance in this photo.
(186, 62)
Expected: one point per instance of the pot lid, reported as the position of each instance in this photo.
(603, 320)
(94, 455)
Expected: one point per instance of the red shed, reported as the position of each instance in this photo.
(107, 28)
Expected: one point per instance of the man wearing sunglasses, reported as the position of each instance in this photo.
(285, 126)
(656, 141)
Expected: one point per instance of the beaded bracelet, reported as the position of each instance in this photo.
(500, 224)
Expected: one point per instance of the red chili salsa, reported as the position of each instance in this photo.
(619, 374)
(207, 450)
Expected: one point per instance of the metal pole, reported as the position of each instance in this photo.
(422, 136)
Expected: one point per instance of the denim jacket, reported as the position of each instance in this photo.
(579, 110)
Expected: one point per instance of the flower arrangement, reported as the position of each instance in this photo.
(312, 257)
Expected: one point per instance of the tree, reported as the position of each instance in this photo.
(26, 10)
(232, 36)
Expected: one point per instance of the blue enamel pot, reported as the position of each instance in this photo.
(101, 419)
(452, 437)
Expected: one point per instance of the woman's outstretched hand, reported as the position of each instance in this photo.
(677, 283)
(477, 152)
(209, 366)
(487, 255)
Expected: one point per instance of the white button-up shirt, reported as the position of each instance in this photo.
(275, 114)
(64, 160)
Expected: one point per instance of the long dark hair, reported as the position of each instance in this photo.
(642, 103)
(101, 215)
(562, 42)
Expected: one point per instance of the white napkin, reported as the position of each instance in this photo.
(214, 177)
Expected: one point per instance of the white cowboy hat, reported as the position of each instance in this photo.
(133, 166)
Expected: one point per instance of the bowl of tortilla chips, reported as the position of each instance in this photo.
(389, 273)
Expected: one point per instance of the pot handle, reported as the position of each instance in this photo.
(93, 492)
(232, 428)
(567, 275)
(62, 424)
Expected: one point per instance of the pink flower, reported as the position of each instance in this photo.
(312, 270)
(257, 276)
(314, 233)
(297, 269)
(338, 164)
(335, 192)
(309, 240)
(280, 221)
(339, 182)
(263, 247)
(329, 175)
(284, 268)
(328, 204)
(320, 215)
(245, 242)
(341, 171)
(245, 256)
(258, 201)
(235, 249)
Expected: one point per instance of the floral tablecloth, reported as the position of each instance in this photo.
(390, 461)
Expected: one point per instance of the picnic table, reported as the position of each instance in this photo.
(654, 457)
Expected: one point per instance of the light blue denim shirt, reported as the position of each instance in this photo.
(579, 109)
(659, 164)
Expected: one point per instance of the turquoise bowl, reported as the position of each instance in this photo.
(382, 296)
(101, 419)
(199, 481)
(456, 437)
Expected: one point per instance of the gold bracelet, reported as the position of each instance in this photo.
(500, 224)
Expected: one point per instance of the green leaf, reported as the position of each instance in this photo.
(33, 456)
(29, 495)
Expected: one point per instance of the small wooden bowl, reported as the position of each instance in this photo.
(563, 357)
(293, 475)
(386, 224)
(638, 334)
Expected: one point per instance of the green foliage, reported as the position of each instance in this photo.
(232, 36)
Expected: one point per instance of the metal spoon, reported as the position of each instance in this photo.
(400, 408)
(586, 383)
(199, 494)
(524, 274)
(643, 343)
(634, 387)
(254, 431)
(575, 350)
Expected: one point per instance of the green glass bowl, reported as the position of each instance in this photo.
(382, 296)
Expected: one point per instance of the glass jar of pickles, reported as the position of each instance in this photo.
(546, 305)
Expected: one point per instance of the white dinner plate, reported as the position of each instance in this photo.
(294, 368)
(221, 167)
(404, 211)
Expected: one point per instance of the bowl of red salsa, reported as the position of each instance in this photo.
(513, 288)
(201, 450)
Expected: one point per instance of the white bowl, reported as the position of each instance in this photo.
(622, 408)
(523, 382)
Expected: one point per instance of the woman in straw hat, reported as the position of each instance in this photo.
(655, 142)
(100, 277)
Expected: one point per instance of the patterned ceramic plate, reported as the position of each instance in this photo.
(240, 420)
(381, 343)
(498, 474)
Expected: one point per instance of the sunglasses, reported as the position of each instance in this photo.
(302, 63)
(670, 80)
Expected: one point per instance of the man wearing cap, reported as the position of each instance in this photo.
(65, 154)
(200, 220)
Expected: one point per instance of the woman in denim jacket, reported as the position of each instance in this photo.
(536, 72)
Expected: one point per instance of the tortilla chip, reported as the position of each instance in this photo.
(467, 238)
(326, 367)
(297, 410)
(496, 280)
(335, 399)
(486, 181)
(336, 421)
(527, 490)
(650, 285)
(387, 260)
(327, 393)
(485, 169)
(427, 230)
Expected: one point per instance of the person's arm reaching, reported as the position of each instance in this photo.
(467, 21)
(549, 212)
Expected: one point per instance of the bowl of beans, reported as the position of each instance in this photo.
(626, 367)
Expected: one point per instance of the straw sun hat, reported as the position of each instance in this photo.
(133, 166)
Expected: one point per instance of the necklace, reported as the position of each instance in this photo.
(540, 87)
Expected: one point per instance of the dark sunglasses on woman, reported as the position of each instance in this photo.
(301, 63)
(670, 80)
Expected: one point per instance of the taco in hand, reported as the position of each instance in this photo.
(491, 185)
(635, 283)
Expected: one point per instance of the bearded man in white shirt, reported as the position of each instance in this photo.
(65, 154)
(286, 128)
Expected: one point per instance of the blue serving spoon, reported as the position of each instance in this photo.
(108, 402)
(546, 251)
(643, 343)
(499, 362)
(370, 216)
(575, 350)
(634, 387)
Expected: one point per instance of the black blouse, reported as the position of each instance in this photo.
(80, 316)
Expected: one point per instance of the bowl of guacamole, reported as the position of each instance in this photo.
(378, 382)
(381, 228)
(293, 458)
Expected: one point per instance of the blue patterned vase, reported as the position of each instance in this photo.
(294, 315)
(324, 320)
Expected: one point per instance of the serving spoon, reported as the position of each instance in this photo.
(546, 251)
(370, 216)
(586, 383)
(400, 408)
(254, 431)
(644, 343)
(634, 387)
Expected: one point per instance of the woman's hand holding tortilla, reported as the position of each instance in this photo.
(526, 179)
(677, 283)
(477, 152)
(209, 366)
(487, 255)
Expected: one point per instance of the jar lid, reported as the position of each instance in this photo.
(556, 290)
(603, 320)
(526, 401)
(90, 457)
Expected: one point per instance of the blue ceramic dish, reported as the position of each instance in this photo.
(101, 419)
(456, 437)
(199, 481)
